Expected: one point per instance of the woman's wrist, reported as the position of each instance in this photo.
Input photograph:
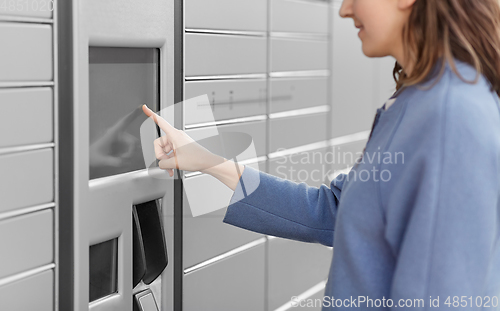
(228, 172)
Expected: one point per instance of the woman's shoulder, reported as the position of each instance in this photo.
(454, 126)
(451, 113)
(450, 91)
(453, 103)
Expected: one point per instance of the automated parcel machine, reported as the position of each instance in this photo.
(115, 56)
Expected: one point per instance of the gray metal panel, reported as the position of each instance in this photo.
(26, 53)
(228, 98)
(95, 204)
(224, 55)
(294, 93)
(257, 130)
(226, 14)
(294, 267)
(26, 242)
(299, 16)
(127, 23)
(293, 55)
(112, 217)
(236, 283)
(352, 78)
(311, 167)
(34, 125)
(33, 293)
(297, 131)
(207, 236)
(207, 191)
(27, 179)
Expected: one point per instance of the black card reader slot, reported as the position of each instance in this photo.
(150, 226)
(139, 257)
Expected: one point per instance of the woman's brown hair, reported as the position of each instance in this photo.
(468, 30)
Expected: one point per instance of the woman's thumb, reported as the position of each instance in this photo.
(170, 163)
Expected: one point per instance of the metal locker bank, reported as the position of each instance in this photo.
(89, 221)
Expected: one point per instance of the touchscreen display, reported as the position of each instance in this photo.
(121, 80)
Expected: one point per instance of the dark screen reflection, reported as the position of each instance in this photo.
(103, 269)
(121, 80)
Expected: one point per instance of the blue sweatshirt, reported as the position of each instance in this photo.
(417, 219)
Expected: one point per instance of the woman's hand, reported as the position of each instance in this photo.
(177, 150)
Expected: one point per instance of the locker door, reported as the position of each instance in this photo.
(122, 57)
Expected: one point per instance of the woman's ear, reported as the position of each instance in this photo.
(405, 4)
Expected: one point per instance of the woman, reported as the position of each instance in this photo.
(422, 231)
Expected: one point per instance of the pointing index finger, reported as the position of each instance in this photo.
(162, 123)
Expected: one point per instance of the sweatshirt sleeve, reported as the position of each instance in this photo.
(442, 205)
(271, 205)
